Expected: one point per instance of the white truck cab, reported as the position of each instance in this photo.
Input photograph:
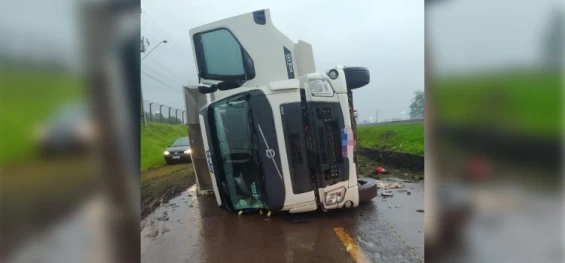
(277, 134)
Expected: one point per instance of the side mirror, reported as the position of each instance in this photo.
(205, 89)
(229, 84)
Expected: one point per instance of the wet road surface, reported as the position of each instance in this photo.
(192, 228)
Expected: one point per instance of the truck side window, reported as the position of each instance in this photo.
(222, 53)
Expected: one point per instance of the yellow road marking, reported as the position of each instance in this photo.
(406, 244)
(350, 245)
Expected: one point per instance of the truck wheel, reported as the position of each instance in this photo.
(356, 77)
(367, 189)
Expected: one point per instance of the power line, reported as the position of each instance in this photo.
(156, 79)
(165, 68)
(162, 75)
(164, 32)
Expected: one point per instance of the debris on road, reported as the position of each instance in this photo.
(381, 170)
(165, 230)
(420, 210)
(269, 214)
(164, 217)
(260, 212)
(239, 213)
(388, 185)
(153, 233)
(387, 194)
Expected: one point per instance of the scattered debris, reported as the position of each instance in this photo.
(420, 210)
(153, 233)
(163, 218)
(396, 206)
(381, 170)
(417, 177)
(388, 185)
(269, 214)
(402, 191)
(239, 213)
(260, 212)
(408, 193)
(165, 230)
(190, 206)
(387, 194)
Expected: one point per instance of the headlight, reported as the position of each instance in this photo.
(187, 151)
(335, 196)
(320, 88)
(166, 153)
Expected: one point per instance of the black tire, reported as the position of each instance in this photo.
(356, 77)
(367, 189)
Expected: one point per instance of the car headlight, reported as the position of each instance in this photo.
(320, 88)
(335, 196)
(166, 153)
(188, 151)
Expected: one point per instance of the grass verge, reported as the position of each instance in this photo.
(517, 102)
(406, 138)
(155, 138)
(28, 98)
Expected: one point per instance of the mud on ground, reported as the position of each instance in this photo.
(159, 185)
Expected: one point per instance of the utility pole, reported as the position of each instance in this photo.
(377, 117)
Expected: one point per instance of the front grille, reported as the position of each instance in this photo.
(328, 136)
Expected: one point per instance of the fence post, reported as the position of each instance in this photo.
(161, 113)
(176, 115)
(150, 112)
(169, 115)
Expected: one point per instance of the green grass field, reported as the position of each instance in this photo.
(27, 98)
(155, 138)
(528, 103)
(406, 138)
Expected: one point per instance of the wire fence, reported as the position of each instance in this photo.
(156, 112)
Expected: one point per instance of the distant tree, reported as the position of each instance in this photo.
(552, 45)
(417, 105)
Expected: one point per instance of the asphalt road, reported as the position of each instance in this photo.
(192, 228)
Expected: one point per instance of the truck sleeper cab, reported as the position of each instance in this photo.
(275, 138)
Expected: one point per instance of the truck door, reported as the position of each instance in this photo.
(250, 49)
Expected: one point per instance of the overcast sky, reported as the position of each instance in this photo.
(387, 37)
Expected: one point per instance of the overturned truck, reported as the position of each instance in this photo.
(277, 135)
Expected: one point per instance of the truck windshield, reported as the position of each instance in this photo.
(234, 145)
